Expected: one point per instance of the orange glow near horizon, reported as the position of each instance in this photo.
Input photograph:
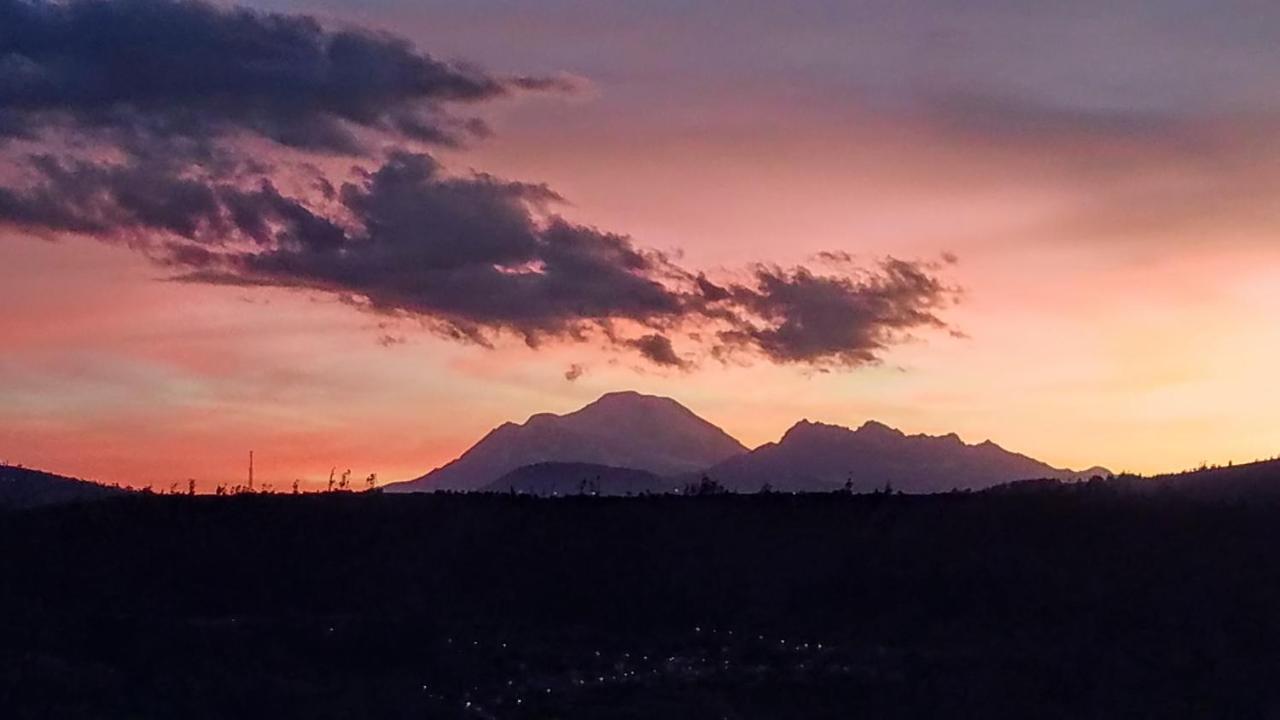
(152, 385)
(1120, 290)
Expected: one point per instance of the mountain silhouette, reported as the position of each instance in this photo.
(558, 478)
(817, 457)
(22, 488)
(620, 430)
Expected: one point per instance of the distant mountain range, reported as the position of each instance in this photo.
(814, 456)
(635, 442)
(22, 488)
(626, 443)
(620, 430)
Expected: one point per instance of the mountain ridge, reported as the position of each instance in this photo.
(627, 430)
(815, 456)
(624, 429)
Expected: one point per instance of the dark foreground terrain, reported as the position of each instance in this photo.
(1062, 603)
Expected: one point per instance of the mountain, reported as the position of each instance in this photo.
(22, 488)
(815, 457)
(620, 430)
(559, 478)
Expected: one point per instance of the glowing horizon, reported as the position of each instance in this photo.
(1103, 176)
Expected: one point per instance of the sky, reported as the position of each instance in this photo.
(359, 235)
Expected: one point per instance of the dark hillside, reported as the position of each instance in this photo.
(553, 478)
(26, 488)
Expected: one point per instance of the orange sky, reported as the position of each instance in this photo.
(1121, 289)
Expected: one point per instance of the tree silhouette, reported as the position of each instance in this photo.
(706, 486)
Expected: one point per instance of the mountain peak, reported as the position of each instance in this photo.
(615, 395)
(640, 411)
(869, 429)
(807, 428)
(877, 428)
(632, 398)
(624, 429)
(810, 430)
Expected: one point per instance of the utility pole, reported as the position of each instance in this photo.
(250, 471)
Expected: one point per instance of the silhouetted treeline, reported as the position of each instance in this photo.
(1034, 604)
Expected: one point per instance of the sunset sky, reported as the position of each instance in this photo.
(365, 238)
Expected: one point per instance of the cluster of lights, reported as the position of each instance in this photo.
(709, 653)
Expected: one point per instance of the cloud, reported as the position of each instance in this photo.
(154, 105)
(102, 199)
(477, 257)
(471, 253)
(574, 372)
(1012, 117)
(658, 350)
(797, 316)
(388, 340)
(192, 69)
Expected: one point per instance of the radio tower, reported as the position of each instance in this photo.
(250, 471)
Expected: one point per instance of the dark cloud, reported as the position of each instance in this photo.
(161, 68)
(96, 198)
(796, 316)
(574, 372)
(472, 253)
(151, 203)
(658, 349)
(389, 340)
(153, 98)
(475, 257)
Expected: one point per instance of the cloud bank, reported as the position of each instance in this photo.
(142, 121)
(195, 70)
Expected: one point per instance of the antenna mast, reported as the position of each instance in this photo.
(250, 470)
